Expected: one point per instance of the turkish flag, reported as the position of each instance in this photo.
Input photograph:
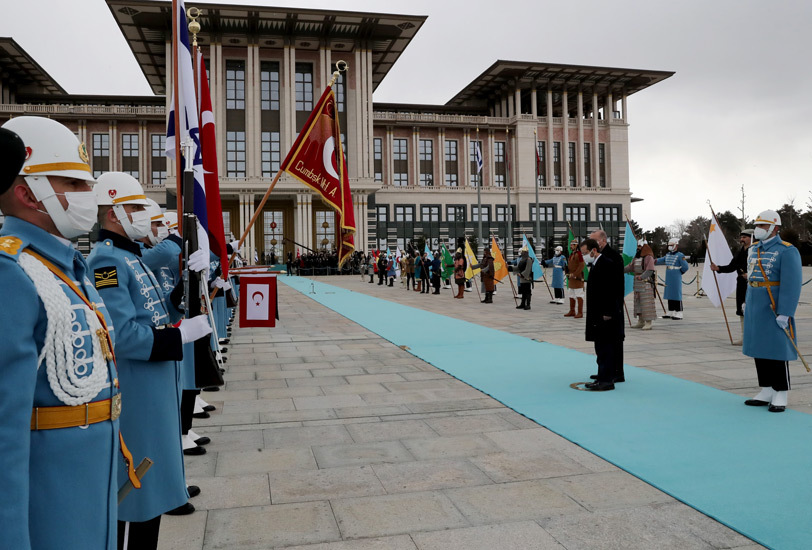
(257, 300)
(317, 160)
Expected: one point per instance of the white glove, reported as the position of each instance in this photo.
(783, 321)
(194, 329)
(220, 283)
(198, 260)
(235, 246)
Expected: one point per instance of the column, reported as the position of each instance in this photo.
(623, 103)
(517, 102)
(489, 162)
(533, 107)
(610, 106)
(388, 157)
(596, 171)
(465, 158)
(439, 180)
(415, 164)
(144, 153)
(253, 129)
(565, 142)
(580, 146)
(549, 149)
(287, 97)
(115, 161)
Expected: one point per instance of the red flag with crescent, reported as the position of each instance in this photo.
(317, 160)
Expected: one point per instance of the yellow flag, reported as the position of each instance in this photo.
(500, 270)
(473, 265)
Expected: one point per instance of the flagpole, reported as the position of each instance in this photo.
(509, 240)
(536, 184)
(478, 188)
(715, 279)
(175, 27)
(512, 286)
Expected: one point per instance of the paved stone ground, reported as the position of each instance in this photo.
(328, 437)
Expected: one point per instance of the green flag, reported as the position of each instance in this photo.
(570, 238)
(448, 263)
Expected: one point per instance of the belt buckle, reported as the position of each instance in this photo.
(115, 407)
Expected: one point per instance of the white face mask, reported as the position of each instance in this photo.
(672, 247)
(163, 232)
(557, 253)
(139, 227)
(759, 233)
(80, 216)
(589, 260)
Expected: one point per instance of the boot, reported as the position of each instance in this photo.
(487, 299)
(460, 292)
(640, 323)
(740, 340)
(524, 301)
(419, 286)
(580, 308)
(527, 304)
(391, 281)
(571, 312)
(646, 326)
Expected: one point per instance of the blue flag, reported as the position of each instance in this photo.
(629, 252)
(538, 273)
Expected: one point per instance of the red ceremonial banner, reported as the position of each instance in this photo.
(257, 300)
(317, 160)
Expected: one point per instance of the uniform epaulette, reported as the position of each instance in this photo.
(785, 243)
(10, 247)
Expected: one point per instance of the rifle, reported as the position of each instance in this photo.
(207, 370)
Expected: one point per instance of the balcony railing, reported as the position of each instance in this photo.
(85, 110)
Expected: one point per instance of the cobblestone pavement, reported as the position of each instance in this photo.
(327, 437)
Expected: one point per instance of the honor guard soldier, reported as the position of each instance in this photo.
(676, 266)
(773, 290)
(558, 263)
(148, 350)
(59, 401)
(575, 281)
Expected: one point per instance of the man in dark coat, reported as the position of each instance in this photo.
(618, 285)
(382, 263)
(739, 265)
(604, 315)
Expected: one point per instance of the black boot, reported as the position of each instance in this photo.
(521, 306)
(527, 305)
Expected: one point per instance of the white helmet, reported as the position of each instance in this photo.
(559, 249)
(171, 220)
(117, 189)
(156, 215)
(673, 241)
(51, 149)
(768, 216)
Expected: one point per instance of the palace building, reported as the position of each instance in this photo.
(553, 138)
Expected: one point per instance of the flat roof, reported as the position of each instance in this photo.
(26, 73)
(146, 27)
(509, 75)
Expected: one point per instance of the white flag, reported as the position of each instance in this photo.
(719, 251)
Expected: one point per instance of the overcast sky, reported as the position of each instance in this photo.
(737, 112)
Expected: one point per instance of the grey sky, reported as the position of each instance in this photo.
(737, 112)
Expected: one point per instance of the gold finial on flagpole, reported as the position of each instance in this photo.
(194, 25)
(341, 67)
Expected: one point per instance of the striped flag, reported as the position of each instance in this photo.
(189, 130)
(478, 157)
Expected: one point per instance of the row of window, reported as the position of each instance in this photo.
(130, 153)
(458, 213)
(425, 177)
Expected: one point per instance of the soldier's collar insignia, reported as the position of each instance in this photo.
(10, 245)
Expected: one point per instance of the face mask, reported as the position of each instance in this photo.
(139, 227)
(759, 233)
(589, 260)
(80, 216)
(672, 247)
(163, 232)
(558, 253)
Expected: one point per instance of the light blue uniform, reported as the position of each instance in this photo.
(557, 263)
(763, 338)
(58, 486)
(676, 266)
(164, 261)
(147, 362)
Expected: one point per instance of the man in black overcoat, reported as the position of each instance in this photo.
(604, 315)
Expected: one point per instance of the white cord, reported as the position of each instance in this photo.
(67, 369)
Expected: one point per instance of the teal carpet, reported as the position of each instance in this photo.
(742, 466)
